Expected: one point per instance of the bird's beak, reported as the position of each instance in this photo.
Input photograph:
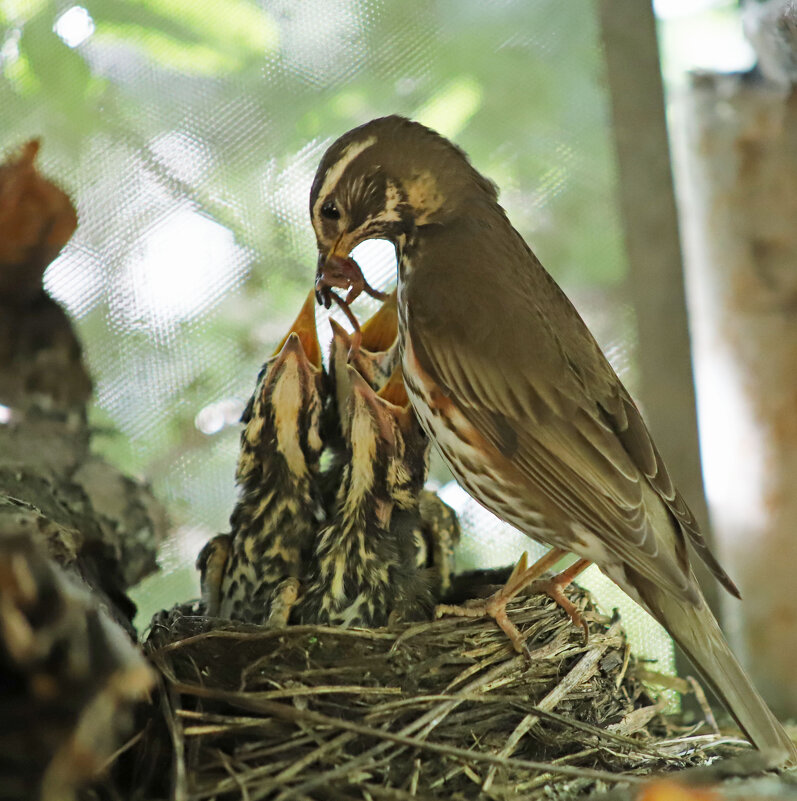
(394, 390)
(342, 353)
(394, 393)
(300, 346)
(379, 409)
(305, 334)
(340, 334)
(339, 349)
(336, 269)
(291, 351)
(379, 332)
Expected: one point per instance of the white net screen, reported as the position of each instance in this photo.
(188, 132)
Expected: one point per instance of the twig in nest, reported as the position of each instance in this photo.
(179, 775)
(585, 667)
(417, 710)
(701, 699)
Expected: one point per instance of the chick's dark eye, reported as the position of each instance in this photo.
(330, 211)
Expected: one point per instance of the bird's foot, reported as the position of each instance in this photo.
(554, 588)
(212, 564)
(283, 599)
(555, 591)
(495, 605)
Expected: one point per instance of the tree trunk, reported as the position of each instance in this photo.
(738, 181)
(653, 246)
(75, 533)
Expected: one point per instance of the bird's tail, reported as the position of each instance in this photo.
(697, 632)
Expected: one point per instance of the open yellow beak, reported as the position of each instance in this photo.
(304, 327)
(379, 332)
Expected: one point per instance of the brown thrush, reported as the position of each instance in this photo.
(279, 507)
(511, 386)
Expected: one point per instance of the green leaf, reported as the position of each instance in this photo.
(17, 11)
(20, 75)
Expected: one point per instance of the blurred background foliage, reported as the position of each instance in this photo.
(188, 132)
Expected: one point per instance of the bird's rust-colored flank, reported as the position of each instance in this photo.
(512, 388)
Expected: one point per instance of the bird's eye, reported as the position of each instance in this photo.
(330, 211)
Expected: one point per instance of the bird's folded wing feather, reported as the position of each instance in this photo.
(524, 370)
(560, 433)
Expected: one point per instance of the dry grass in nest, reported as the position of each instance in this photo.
(433, 710)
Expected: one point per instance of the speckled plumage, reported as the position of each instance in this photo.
(441, 533)
(419, 515)
(362, 569)
(511, 386)
(374, 360)
(279, 508)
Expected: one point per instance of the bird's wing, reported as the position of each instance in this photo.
(557, 411)
(630, 428)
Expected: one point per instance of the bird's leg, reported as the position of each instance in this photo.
(555, 586)
(212, 564)
(283, 599)
(495, 605)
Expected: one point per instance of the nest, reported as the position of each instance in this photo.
(432, 710)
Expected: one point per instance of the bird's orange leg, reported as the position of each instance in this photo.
(555, 586)
(495, 605)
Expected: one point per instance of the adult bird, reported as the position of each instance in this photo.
(509, 383)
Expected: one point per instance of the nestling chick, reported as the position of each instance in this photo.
(419, 513)
(362, 569)
(374, 359)
(279, 507)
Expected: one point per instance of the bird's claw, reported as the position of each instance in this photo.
(555, 591)
(494, 607)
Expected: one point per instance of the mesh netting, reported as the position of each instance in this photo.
(188, 132)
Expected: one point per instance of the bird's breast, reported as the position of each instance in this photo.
(476, 464)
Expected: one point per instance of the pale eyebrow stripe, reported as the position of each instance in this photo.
(336, 171)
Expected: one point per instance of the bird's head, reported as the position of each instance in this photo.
(373, 359)
(284, 414)
(384, 180)
(389, 451)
